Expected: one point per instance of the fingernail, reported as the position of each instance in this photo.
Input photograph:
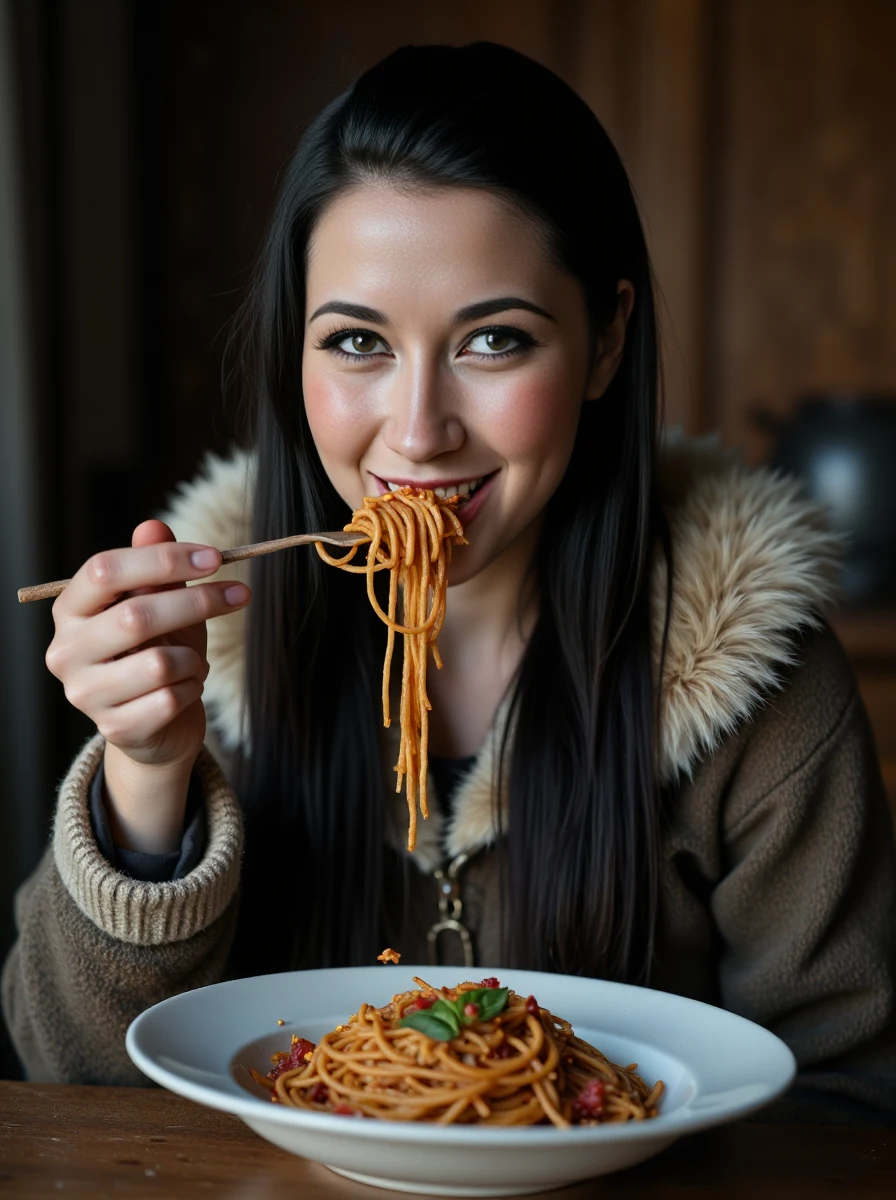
(202, 560)
(237, 593)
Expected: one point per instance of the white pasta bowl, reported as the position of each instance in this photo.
(716, 1067)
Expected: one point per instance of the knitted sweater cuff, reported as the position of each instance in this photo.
(147, 914)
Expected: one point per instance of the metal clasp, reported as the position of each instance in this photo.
(450, 910)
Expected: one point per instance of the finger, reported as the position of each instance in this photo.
(108, 684)
(149, 533)
(152, 533)
(139, 721)
(107, 576)
(132, 622)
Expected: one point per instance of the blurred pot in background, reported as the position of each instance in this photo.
(843, 446)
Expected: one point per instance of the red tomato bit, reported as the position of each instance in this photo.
(589, 1104)
(532, 1006)
(295, 1058)
(491, 982)
(420, 1003)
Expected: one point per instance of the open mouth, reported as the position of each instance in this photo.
(466, 489)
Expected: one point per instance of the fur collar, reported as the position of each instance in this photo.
(753, 565)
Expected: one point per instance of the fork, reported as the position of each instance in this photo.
(46, 591)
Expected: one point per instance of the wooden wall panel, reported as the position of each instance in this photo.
(807, 249)
(642, 66)
(666, 148)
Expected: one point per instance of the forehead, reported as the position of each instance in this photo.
(422, 245)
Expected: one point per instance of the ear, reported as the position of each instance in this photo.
(611, 343)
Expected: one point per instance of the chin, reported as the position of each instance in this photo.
(469, 561)
(464, 570)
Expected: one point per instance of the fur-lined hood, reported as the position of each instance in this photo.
(753, 567)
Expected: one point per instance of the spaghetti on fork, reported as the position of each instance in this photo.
(412, 533)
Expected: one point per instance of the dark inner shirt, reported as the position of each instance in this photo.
(447, 774)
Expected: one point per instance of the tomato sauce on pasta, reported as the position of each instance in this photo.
(412, 532)
(490, 1057)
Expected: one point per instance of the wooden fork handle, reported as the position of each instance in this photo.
(46, 591)
(42, 591)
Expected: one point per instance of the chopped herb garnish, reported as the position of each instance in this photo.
(445, 1019)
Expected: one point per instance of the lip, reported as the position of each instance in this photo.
(432, 484)
(466, 511)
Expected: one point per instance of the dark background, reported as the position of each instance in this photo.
(143, 144)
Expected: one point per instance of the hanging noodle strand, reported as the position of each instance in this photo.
(411, 534)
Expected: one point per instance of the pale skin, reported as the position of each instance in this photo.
(418, 395)
(429, 401)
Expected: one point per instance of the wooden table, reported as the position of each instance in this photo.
(86, 1143)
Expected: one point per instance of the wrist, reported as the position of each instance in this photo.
(145, 803)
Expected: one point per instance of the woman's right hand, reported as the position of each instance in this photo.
(130, 648)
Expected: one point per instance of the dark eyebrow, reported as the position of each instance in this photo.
(360, 312)
(488, 308)
(472, 312)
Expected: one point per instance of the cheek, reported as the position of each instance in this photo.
(339, 425)
(536, 419)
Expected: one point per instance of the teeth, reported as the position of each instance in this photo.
(459, 489)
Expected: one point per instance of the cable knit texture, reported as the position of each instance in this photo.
(148, 914)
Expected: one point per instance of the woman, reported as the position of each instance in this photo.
(650, 759)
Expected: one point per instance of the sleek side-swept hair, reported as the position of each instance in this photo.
(579, 855)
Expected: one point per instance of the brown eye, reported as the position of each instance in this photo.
(362, 343)
(494, 342)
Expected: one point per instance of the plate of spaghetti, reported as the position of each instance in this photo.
(416, 1079)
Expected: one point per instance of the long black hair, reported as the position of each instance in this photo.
(579, 854)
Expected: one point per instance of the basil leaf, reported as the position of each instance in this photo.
(449, 1012)
(491, 1001)
(427, 1023)
(474, 996)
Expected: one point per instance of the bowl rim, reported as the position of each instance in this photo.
(686, 1118)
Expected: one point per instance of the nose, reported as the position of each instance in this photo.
(422, 420)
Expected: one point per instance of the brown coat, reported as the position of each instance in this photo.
(778, 865)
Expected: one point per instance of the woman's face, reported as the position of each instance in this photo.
(443, 349)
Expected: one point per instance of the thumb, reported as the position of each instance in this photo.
(152, 533)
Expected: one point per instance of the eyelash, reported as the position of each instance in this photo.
(526, 341)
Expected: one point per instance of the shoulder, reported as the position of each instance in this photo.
(753, 567)
(811, 728)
